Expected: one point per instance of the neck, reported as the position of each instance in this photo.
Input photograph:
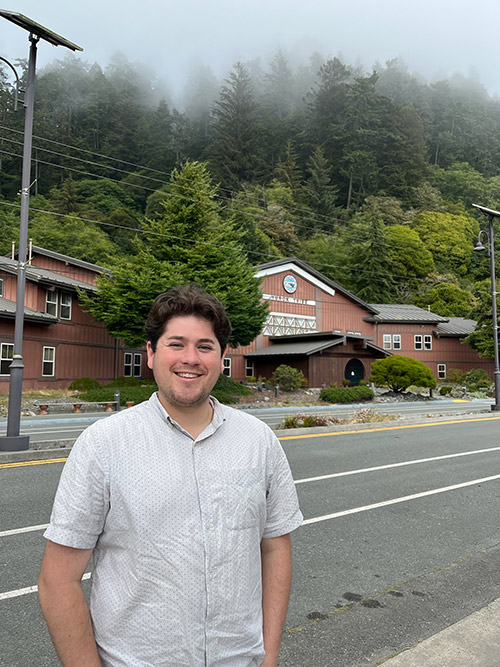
(193, 419)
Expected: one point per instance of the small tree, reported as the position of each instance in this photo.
(288, 378)
(398, 373)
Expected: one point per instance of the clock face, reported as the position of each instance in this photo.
(290, 283)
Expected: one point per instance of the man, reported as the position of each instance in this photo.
(186, 506)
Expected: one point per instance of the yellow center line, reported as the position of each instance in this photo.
(20, 464)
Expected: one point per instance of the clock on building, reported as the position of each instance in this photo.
(290, 283)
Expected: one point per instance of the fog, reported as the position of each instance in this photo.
(434, 38)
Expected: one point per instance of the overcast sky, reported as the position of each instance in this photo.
(434, 37)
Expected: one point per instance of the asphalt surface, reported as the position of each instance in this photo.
(413, 583)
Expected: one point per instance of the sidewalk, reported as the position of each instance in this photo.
(472, 642)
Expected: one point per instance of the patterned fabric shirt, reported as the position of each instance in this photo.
(176, 525)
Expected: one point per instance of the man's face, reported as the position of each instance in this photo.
(187, 362)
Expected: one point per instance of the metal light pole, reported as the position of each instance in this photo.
(13, 441)
(491, 251)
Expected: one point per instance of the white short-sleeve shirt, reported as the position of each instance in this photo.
(176, 526)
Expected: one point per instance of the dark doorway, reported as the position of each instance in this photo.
(354, 372)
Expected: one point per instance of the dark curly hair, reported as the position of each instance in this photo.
(188, 299)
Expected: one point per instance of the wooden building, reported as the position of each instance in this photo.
(316, 325)
(313, 324)
(61, 342)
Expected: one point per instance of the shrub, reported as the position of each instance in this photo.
(398, 373)
(84, 384)
(287, 378)
(476, 379)
(126, 382)
(291, 421)
(135, 393)
(454, 375)
(445, 390)
(345, 382)
(252, 379)
(228, 391)
(346, 394)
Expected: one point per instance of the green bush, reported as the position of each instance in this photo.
(399, 373)
(445, 390)
(126, 382)
(346, 394)
(476, 379)
(288, 378)
(228, 391)
(84, 384)
(454, 375)
(135, 393)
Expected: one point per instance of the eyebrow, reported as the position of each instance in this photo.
(201, 340)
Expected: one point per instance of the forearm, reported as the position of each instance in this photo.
(276, 580)
(68, 618)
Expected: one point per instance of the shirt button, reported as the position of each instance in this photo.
(202, 483)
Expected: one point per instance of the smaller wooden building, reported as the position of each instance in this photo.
(61, 342)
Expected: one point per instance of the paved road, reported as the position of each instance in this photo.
(400, 539)
(69, 426)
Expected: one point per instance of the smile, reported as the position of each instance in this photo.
(189, 375)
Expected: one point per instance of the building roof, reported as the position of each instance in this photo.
(8, 309)
(307, 344)
(68, 260)
(395, 312)
(303, 267)
(456, 326)
(46, 276)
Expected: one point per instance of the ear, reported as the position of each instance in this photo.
(222, 359)
(151, 354)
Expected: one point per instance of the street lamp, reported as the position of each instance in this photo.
(13, 441)
(489, 237)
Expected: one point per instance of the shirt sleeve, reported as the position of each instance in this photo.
(283, 513)
(82, 499)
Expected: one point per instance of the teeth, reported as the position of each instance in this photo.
(188, 375)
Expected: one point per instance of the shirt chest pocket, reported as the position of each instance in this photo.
(240, 497)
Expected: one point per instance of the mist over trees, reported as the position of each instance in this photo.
(368, 176)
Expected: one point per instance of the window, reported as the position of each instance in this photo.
(51, 303)
(392, 342)
(6, 356)
(249, 369)
(127, 364)
(418, 342)
(441, 371)
(427, 342)
(227, 367)
(49, 361)
(137, 364)
(65, 306)
(132, 364)
(1, 286)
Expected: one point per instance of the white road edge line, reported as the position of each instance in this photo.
(29, 589)
(27, 529)
(395, 501)
(393, 465)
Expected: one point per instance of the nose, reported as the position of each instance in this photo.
(190, 355)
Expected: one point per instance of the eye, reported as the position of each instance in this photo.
(206, 348)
